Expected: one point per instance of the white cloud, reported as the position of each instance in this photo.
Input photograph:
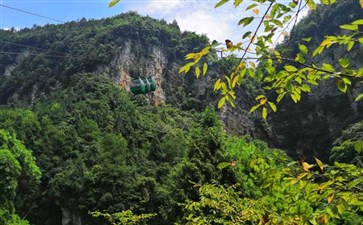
(215, 26)
(198, 16)
(201, 17)
(14, 29)
(162, 7)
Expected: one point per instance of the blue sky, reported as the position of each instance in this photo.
(192, 15)
(63, 10)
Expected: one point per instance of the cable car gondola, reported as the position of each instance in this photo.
(139, 86)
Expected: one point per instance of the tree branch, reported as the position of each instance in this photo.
(254, 35)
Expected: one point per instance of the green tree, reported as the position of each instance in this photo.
(17, 164)
(124, 217)
(272, 189)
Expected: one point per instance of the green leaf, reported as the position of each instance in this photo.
(359, 97)
(353, 27)
(358, 22)
(307, 39)
(292, 5)
(342, 86)
(222, 2)
(230, 101)
(320, 164)
(361, 3)
(286, 18)
(300, 58)
(325, 2)
(277, 54)
(205, 51)
(305, 88)
(358, 146)
(113, 2)
(278, 23)
(294, 97)
(251, 6)
(290, 68)
(197, 72)
(272, 106)
(248, 33)
(215, 43)
(325, 185)
(245, 21)
(347, 81)
(303, 49)
(205, 68)
(217, 84)
(327, 67)
(350, 45)
(186, 67)
(254, 108)
(360, 72)
(224, 88)
(354, 183)
(223, 165)
(229, 81)
(311, 4)
(340, 208)
(328, 2)
(264, 112)
(237, 3)
(344, 62)
(318, 50)
(221, 102)
(290, 87)
(190, 56)
(260, 96)
(251, 72)
(280, 97)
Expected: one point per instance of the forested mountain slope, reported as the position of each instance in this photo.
(122, 48)
(99, 151)
(64, 91)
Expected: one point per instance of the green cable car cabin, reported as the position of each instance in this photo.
(139, 86)
(152, 83)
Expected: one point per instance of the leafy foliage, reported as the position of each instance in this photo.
(283, 75)
(17, 165)
(270, 191)
(124, 217)
(99, 151)
(348, 147)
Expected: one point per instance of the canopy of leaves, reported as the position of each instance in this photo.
(271, 190)
(17, 165)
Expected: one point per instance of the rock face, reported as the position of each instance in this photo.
(184, 91)
(70, 218)
(130, 64)
(310, 127)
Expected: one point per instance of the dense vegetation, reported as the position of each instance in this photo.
(99, 151)
(57, 52)
(76, 149)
